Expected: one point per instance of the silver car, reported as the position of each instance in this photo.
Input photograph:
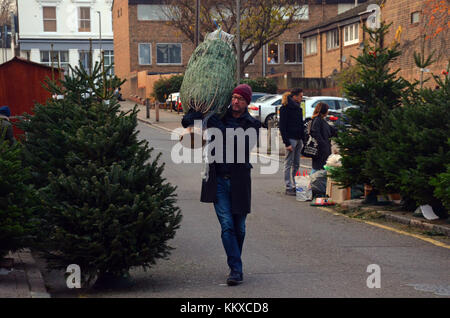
(268, 104)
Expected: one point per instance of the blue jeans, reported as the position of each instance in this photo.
(233, 226)
(292, 162)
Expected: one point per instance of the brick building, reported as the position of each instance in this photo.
(410, 23)
(329, 46)
(145, 45)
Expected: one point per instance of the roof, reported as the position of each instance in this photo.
(347, 17)
(25, 61)
(134, 2)
(131, 2)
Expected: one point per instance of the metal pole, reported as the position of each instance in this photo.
(90, 57)
(264, 61)
(157, 111)
(13, 35)
(100, 29)
(238, 45)
(5, 38)
(147, 107)
(197, 23)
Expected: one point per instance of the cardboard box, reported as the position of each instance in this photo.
(337, 194)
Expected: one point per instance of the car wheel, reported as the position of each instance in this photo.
(270, 120)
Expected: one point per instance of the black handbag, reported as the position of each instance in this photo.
(311, 147)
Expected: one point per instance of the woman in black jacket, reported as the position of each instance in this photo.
(322, 132)
(292, 131)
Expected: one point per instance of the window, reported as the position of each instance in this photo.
(49, 17)
(61, 57)
(302, 12)
(332, 39)
(343, 104)
(292, 53)
(342, 7)
(84, 19)
(272, 53)
(109, 60)
(415, 17)
(351, 34)
(145, 56)
(84, 59)
(277, 102)
(311, 45)
(331, 104)
(153, 12)
(168, 53)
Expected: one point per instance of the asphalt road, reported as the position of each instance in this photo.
(291, 249)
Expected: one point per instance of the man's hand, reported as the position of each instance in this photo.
(190, 117)
(289, 148)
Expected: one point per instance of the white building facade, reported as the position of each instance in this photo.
(63, 32)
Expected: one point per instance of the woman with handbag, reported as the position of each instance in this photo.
(322, 132)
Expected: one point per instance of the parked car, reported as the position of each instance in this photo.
(268, 108)
(174, 100)
(335, 104)
(338, 117)
(258, 95)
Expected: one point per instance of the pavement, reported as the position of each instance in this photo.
(20, 277)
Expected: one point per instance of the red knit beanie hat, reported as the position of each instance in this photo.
(245, 91)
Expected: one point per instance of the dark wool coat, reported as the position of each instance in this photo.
(322, 132)
(291, 121)
(240, 178)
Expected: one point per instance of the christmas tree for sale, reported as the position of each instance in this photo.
(414, 154)
(377, 93)
(105, 204)
(16, 200)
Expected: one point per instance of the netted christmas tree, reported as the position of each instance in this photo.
(414, 153)
(210, 75)
(17, 223)
(105, 205)
(378, 92)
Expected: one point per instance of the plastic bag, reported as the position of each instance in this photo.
(334, 161)
(303, 191)
(319, 182)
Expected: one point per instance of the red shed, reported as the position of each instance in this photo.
(21, 86)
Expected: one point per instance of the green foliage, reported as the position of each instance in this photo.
(415, 150)
(349, 75)
(441, 185)
(104, 203)
(165, 86)
(16, 200)
(262, 84)
(210, 77)
(396, 149)
(378, 92)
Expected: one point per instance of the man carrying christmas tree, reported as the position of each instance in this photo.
(228, 184)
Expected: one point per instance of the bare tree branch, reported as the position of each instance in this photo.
(262, 21)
